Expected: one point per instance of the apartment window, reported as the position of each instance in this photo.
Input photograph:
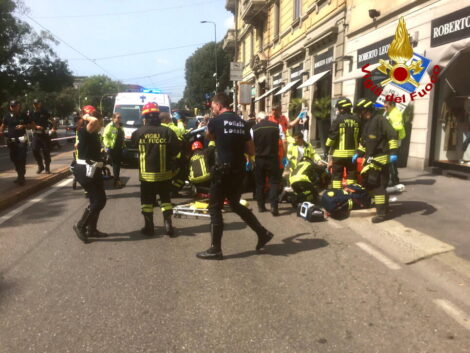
(297, 9)
(244, 52)
(277, 19)
(252, 44)
(260, 36)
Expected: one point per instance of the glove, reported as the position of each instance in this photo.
(249, 166)
(354, 158)
(285, 162)
(393, 158)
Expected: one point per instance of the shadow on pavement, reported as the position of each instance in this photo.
(290, 246)
(122, 195)
(419, 182)
(402, 208)
(135, 235)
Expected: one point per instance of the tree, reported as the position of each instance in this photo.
(97, 90)
(26, 58)
(200, 79)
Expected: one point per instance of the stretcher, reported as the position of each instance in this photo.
(197, 209)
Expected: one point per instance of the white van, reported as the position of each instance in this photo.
(129, 105)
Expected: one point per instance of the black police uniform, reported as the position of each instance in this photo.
(17, 142)
(158, 148)
(230, 134)
(343, 140)
(89, 152)
(42, 140)
(266, 138)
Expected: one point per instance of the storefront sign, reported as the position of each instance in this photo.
(323, 62)
(374, 52)
(449, 28)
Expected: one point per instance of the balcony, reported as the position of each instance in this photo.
(229, 40)
(231, 5)
(254, 10)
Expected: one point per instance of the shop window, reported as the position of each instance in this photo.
(277, 19)
(451, 118)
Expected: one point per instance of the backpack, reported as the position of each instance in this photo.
(337, 202)
(359, 195)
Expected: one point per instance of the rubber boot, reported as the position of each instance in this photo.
(149, 229)
(93, 232)
(382, 211)
(80, 227)
(215, 251)
(169, 230)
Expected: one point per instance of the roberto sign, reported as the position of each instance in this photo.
(451, 27)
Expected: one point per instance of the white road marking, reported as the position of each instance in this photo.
(454, 312)
(37, 199)
(335, 224)
(379, 256)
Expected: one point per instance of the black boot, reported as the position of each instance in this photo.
(40, 169)
(169, 230)
(92, 230)
(382, 214)
(215, 251)
(48, 169)
(275, 209)
(261, 207)
(80, 227)
(149, 229)
(263, 238)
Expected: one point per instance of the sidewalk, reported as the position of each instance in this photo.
(435, 205)
(12, 193)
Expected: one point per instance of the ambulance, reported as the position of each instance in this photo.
(129, 105)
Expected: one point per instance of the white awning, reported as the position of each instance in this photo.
(312, 80)
(287, 87)
(267, 93)
(355, 74)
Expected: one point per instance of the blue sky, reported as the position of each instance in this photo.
(106, 28)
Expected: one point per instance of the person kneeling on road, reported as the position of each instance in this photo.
(232, 139)
(158, 148)
(88, 173)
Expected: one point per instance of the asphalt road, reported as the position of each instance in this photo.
(313, 290)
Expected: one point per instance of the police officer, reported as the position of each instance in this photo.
(158, 148)
(41, 138)
(113, 141)
(16, 138)
(378, 145)
(266, 135)
(342, 141)
(232, 139)
(88, 172)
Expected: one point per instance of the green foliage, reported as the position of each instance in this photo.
(295, 107)
(321, 108)
(97, 90)
(200, 69)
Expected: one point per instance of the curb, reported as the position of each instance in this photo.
(32, 187)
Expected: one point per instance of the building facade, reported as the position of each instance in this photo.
(314, 50)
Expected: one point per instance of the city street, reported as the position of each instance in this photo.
(319, 287)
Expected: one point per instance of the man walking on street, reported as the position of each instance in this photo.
(232, 140)
(16, 138)
(41, 145)
(395, 117)
(113, 141)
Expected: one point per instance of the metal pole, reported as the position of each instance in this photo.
(216, 68)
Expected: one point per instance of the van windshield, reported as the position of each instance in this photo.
(130, 114)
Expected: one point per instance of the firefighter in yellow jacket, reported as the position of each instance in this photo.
(300, 149)
(158, 148)
(395, 117)
(378, 145)
(343, 140)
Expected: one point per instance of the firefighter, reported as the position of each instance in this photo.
(158, 148)
(300, 149)
(395, 117)
(200, 165)
(378, 145)
(307, 179)
(343, 141)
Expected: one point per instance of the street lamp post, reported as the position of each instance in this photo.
(215, 54)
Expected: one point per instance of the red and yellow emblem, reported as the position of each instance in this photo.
(400, 52)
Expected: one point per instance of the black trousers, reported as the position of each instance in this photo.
(337, 171)
(116, 159)
(94, 187)
(228, 186)
(379, 192)
(18, 152)
(42, 142)
(148, 196)
(267, 168)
